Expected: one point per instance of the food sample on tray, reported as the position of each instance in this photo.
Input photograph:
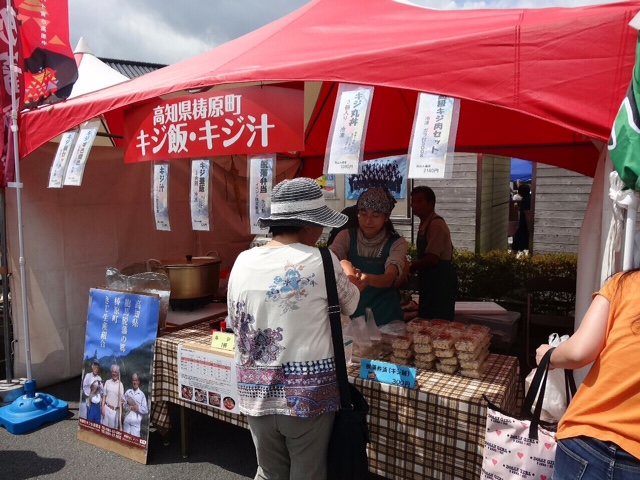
(477, 373)
(417, 324)
(445, 352)
(445, 340)
(402, 342)
(451, 369)
(423, 347)
(402, 353)
(426, 357)
(474, 364)
(399, 360)
(424, 365)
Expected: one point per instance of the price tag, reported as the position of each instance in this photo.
(388, 373)
(222, 340)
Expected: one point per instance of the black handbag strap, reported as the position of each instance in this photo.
(569, 385)
(336, 329)
(539, 382)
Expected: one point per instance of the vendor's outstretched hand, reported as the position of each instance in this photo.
(540, 351)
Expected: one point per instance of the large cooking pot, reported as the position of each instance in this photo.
(193, 277)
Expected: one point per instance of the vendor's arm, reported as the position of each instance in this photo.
(348, 293)
(394, 266)
(340, 245)
(584, 346)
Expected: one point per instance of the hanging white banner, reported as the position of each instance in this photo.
(260, 185)
(75, 168)
(433, 137)
(200, 195)
(61, 160)
(348, 129)
(160, 195)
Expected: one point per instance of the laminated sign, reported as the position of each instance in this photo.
(433, 137)
(161, 195)
(260, 184)
(200, 195)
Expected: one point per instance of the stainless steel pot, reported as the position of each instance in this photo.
(193, 277)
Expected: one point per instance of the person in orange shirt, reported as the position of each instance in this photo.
(599, 435)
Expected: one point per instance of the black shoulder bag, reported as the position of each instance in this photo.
(347, 456)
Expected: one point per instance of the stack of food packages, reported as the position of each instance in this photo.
(447, 346)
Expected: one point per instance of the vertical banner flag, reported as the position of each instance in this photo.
(11, 56)
(61, 160)
(348, 129)
(260, 184)
(199, 198)
(81, 150)
(433, 137)
(50, 68)
(624, 143)
(160, 195)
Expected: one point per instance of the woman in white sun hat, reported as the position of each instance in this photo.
(277, 304)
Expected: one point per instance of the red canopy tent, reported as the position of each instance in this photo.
(537, 84)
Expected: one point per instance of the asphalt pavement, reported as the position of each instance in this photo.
(217, 450)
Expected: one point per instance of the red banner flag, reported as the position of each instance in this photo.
(10, 55)
(50, 68)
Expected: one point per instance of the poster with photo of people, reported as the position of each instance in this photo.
(116, 380)
(390, 172)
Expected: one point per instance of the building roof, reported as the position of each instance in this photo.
(131, 68)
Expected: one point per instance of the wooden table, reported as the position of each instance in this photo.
(435, 430)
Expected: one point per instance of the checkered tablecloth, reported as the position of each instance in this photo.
(435, 430)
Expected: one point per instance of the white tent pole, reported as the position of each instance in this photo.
(630, 231)
(18, 186)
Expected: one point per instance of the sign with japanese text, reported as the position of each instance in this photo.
(81, 150)
(207, 377)
(435, 126)
(348, 129)
(220, 122)
(260, 184)
(223, 340)
(61, 160)
(117, 370)
(388, 373)
(200, 195)
(160, 195)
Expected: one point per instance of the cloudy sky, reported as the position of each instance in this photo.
(166, 31)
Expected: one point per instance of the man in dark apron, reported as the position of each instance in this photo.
(438, 282)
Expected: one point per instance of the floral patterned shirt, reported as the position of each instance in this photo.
(277, 304)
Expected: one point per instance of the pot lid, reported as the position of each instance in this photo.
(194, 262)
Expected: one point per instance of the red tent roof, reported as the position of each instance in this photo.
(534, 83)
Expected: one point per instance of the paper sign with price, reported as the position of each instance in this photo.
(222, 340)
(388, 373)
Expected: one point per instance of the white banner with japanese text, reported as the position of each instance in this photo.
(199, 197)
(81, 150)
(433, 137)
(160, 195)
(61, 160)
(348, 129)
(260, 185)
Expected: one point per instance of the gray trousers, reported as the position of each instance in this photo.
(291, 448)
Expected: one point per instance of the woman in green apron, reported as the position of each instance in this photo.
(378, 253)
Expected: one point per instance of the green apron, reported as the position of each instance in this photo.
(384, 302)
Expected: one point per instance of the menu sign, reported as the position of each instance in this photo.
(207, 377)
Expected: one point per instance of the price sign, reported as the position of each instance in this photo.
(222, 340)
(388, 373)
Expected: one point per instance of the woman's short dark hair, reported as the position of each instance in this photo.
(284, 229)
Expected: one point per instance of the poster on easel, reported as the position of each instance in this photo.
(117, 371)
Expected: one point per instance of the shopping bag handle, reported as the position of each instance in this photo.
(539, 382)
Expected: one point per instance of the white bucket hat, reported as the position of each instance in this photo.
(300, 202)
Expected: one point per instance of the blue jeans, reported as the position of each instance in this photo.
(585, 458)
